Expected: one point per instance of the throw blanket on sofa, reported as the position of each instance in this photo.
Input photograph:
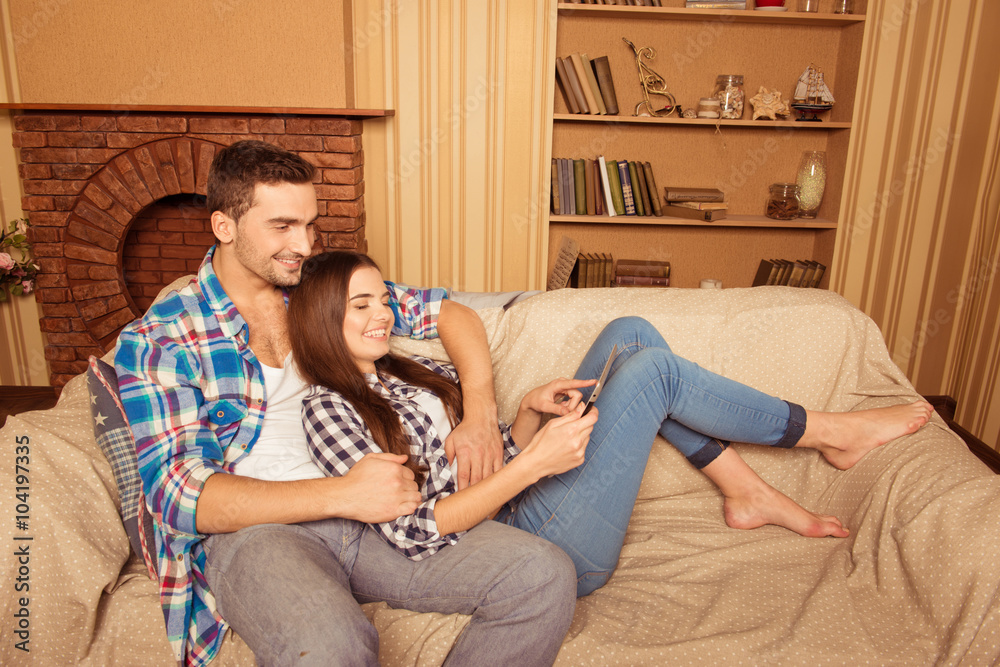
(918, 581)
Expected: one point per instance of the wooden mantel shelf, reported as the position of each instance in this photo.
(168, 108)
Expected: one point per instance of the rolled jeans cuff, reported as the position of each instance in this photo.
(708, 453)
(796, 426)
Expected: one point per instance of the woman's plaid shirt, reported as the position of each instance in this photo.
(338, 439)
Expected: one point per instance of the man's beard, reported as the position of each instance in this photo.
(261, 265)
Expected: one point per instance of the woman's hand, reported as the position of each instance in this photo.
(558, 397)
(560, 445)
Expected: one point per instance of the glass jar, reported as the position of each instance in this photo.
(811, 181)
(783, 204)
(708, 107)
(729, 92)
(843, 7)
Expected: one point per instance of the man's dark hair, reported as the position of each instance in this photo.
(238, 169)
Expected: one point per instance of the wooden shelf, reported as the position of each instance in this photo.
(180, 108)
(730, 221)
(702, 122)
(568, 9)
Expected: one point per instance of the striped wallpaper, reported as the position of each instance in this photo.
(921, 252)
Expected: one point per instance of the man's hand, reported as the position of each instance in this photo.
(380, 489)
(476, 447)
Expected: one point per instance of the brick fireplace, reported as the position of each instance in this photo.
(115, 199)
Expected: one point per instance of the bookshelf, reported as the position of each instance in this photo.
(741, 157)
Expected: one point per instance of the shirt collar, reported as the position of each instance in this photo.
(230, 320)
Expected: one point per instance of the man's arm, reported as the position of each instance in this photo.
(378, 488)
(181, 458)
(475, 444)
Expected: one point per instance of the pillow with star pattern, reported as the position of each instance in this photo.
(114, 437)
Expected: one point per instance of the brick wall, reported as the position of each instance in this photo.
(92, 180)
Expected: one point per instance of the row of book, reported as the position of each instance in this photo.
(586, 84)
(716, 4)
(800, 273)
(624, 3)
(599, 269)
(603, 187)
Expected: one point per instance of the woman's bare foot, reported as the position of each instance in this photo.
(844, 437)
(751, 502)
(769, 506)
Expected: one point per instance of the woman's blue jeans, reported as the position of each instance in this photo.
(649, 390)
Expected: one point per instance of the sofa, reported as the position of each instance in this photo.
(916, 583)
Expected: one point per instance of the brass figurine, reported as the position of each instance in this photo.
(652, 84)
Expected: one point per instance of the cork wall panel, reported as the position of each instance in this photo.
(221, 52)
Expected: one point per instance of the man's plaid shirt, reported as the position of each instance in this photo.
(338, 439)
(194, 394)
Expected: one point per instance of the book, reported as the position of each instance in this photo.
(702, 205)
(640, 281)
(565, 87)
(633, 177)
(581, 76)
(569, 249)
(672, 194)
(617, 196)
(807, 275)
(556, 201)
(640, 177)
(595, 176)
(766, 272)
(602, 69)
(588, 174)
(568, 191)
(627, 195)
(693, 214)
(795, 276)
(818, 274)
(606, 186)
(594, 88)
(654, 197)
(580, 186)
(642, 268)
(574, 83)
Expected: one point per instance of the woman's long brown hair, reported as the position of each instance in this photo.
(316, 314)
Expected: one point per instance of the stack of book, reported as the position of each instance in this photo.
(716, 4)
(644, 272)
(706, 204)
(586, 84)
(603, 187)
(631, 3)
(801, 273)
(593, 269)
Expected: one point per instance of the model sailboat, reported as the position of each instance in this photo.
(812, 94)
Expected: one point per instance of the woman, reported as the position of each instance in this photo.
(574, 480)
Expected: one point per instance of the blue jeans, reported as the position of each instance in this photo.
(292, 592)
(649, 390)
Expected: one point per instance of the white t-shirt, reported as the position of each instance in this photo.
(280, 453)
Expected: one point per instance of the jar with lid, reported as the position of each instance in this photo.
(783, 204)
(729, 92)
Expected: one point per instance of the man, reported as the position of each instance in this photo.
(249, 532)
